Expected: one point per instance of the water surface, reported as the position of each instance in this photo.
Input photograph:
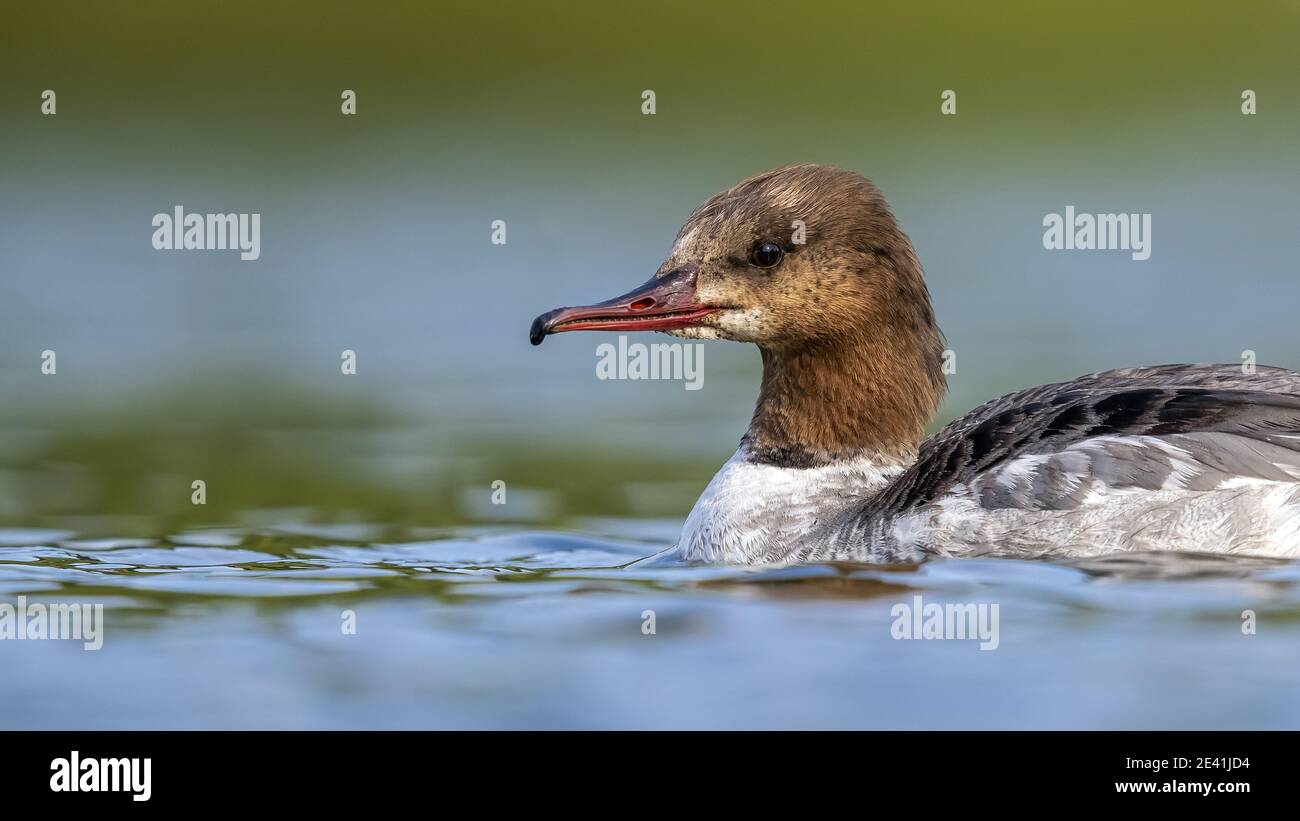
(502, 628)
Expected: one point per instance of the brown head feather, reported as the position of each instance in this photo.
(852, 356)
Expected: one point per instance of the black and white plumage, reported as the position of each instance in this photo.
(1203, 457)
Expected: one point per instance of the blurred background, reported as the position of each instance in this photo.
(376, 229)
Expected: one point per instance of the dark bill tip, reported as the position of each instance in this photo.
(541, 327)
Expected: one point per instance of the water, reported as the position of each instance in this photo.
(501, 628)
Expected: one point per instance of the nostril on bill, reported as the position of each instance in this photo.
(642, 304)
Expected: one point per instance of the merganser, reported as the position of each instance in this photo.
(1201, 458)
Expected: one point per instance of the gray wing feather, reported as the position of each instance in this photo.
(1194, 425)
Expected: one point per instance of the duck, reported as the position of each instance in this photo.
(808, 263)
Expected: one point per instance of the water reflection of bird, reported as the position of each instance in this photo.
(808, 263)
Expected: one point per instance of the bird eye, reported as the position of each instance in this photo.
(766, 255)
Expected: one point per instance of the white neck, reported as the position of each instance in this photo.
(756, 513)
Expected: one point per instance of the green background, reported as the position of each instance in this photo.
(375, 230)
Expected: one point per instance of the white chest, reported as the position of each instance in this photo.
(754, 513)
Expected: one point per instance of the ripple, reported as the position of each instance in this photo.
(486, 626)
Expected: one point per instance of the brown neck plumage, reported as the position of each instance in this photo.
(867, 392)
